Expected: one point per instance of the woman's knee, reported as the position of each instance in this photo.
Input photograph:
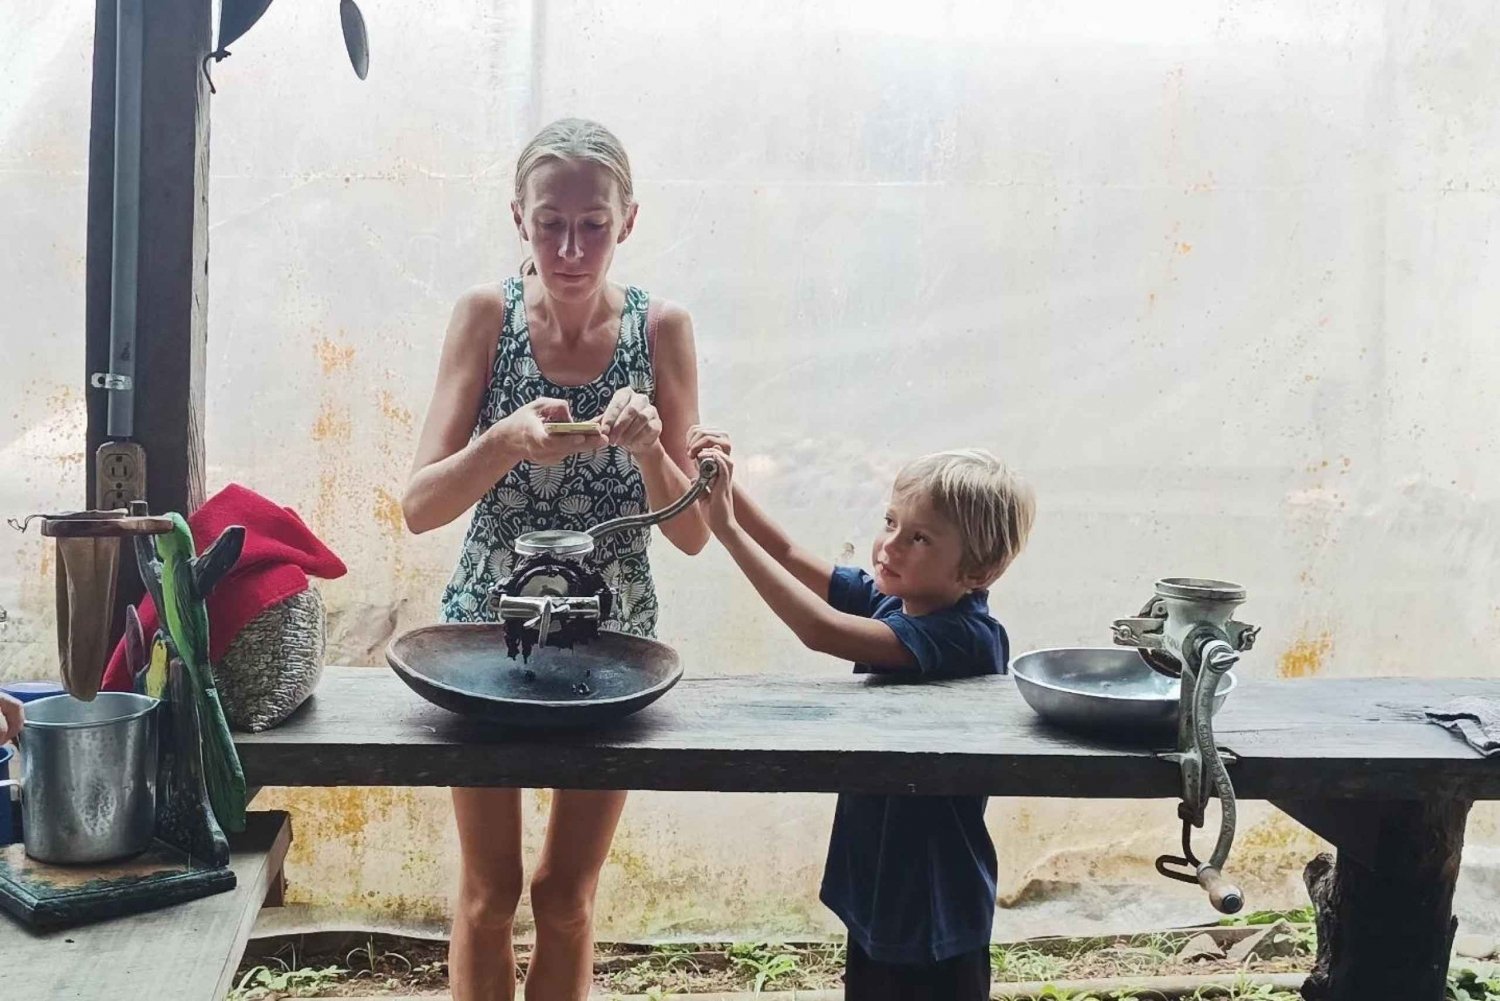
(563, 901)
(488, 896)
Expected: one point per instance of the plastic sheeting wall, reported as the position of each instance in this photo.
(1220, 278)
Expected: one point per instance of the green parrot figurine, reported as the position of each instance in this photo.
(186, 579)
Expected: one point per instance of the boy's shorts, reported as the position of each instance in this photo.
(965, 977)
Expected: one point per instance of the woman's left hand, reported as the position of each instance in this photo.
(631, 421)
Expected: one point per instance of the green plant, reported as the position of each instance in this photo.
(1466, 985)
(1050, 993)
(262, 981)
(1021, 963)
(1241, 990)
(766, 964)
(1302, 915)
(373, 958)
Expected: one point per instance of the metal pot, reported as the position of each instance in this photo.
(88, 777)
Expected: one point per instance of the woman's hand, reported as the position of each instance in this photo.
(526, 428)
(631, 422)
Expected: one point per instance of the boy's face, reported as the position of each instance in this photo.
(916, 556)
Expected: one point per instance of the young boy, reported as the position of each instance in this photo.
(911, 877)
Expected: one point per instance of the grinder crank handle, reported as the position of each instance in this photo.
(1224, 895)
(1217, 658)
(707, 470)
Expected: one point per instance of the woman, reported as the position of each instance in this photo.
(559, 343)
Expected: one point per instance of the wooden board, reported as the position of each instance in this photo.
(188, 952)
(1306, 739)
(59, 896)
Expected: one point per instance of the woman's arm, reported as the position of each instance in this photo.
(665, 465)
(453, 467)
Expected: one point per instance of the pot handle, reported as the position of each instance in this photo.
(4, 783)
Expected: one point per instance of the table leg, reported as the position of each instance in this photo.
(1385, 914)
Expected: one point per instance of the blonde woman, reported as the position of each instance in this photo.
(559, 342)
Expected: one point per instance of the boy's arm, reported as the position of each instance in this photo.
(810, 571)
(813, 573)
(816, 623)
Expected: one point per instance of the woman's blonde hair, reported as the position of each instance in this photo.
(991, 507)
(575, 139)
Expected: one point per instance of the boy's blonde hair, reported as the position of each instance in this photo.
(990, 505)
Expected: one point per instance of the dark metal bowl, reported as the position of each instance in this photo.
(463, 667)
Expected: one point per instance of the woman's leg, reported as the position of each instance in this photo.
(481, 962)
(562, 893)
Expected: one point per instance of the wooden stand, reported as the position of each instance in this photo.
(189, 856)
(188, 859)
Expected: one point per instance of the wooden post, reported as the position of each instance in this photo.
(172, 279)
(1385, 920)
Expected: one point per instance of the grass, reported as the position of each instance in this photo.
(1019, 963)
(390, 964)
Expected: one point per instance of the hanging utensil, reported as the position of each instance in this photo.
(355, 40)
(236, 17)
(136, 660)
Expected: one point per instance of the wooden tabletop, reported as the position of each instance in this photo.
(1304, 739)
(186, 952)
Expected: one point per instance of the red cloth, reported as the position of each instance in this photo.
(280, 552)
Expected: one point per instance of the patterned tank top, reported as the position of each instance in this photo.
(579, 493)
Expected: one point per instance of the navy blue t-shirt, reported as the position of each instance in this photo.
(913, 877)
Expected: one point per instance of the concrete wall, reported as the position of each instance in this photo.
(1219, 277)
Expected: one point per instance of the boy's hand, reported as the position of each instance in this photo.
(718, 505)
(701, 438)
(11, 718)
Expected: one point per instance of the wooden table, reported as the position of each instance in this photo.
(1355, 760)
(186, 952)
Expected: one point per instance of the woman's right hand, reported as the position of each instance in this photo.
(526, 429)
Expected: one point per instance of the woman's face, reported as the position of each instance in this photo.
(572, 216)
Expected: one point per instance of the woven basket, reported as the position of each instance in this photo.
(274, 664)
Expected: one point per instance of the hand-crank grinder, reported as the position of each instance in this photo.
(1187, 632)
(557, 596)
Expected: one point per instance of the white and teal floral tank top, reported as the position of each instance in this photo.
(579, 493)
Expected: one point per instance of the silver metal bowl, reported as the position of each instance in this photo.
(1102, 689)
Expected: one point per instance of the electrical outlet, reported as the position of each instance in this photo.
(121, 474)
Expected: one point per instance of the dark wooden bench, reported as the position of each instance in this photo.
(1355, 760)
(188, 952)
